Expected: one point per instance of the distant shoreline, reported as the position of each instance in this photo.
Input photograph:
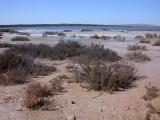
(131, 27)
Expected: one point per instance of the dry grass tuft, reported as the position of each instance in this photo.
(137, 57)
(151, 93)
(35, 94)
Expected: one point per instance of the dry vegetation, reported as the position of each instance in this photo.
(157, 43)
(5, 45)
(136, 47)
(20, 38)
(67, 31)
(137, 57)
(35, 94)
(15, 69)
(149, 35)
(86, 30)
(61, 51)
(151, 93)
(99, 69)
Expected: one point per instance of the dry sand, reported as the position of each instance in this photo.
(89, 105)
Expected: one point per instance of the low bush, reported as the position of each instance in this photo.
(139, 37)
(144, 41)
(61, 34)
(105, 37)
(157, 43)
(15, 69)
(99, 52)
(103, 76)
(67, 31)
(1, 34)
(136, 47)
(3, 30)
(23, 33)
(6, 45)
(61, 51)
(45, 34)
(95, 37)
(137, 57)
(149, 35)
(86, 30)
(119, 38)
(35, 93)
(151, 92)
(34, 96)
(20, 38)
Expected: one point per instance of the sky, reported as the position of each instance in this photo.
(80, 11)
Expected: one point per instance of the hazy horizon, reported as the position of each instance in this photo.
(103, 12)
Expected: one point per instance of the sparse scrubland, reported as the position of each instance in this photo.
(136, 47)
(20, 38)
(137, 57)
(61, 51)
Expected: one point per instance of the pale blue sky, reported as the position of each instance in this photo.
(80, 11)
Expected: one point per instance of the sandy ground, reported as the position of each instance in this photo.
(89, 105)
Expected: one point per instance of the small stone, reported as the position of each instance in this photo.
(72, 117)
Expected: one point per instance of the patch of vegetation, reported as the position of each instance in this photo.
(157, 43)
(119, 38)
(61, 34)
(105, 37)
(136, 47)
(61, 51)
(86, 30)
(144, 41)
(36, 92)
(23, 33)
(67, 31)
(99, 52)
(151, 93)
(45, 34)
(3, 30)
(20, 38)
(6, 45)
(137, 57)
(95, 37)
(149, 35)
(16, 69)
(102, 76)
